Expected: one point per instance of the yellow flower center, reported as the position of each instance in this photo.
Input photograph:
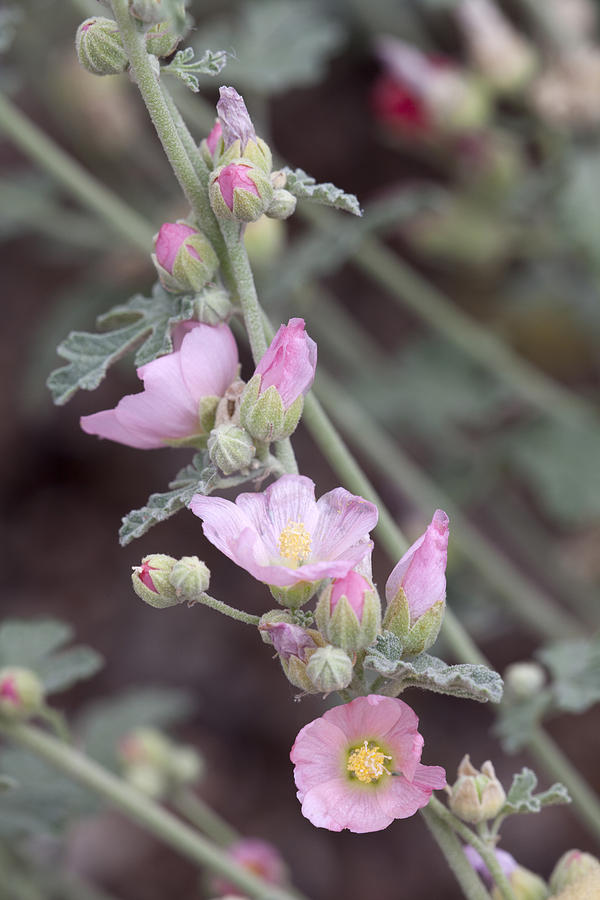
(367, 763)
(294, 543)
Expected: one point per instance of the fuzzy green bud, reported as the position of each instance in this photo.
(190, 577)
(184, 258)
(526, 885)
(295, 596)
(231, 448)
(264, 415)
(21, 694)
(524, 679)
(146, 779)
(573, 867)
(476, 796)
(348, 613)
(240, 191)
(161, 40)
(330, 669)
(212, 306)
(151, 581)
(99, 47)
(282, 206)
(418, 636)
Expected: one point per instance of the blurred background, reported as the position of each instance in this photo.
(462, 312)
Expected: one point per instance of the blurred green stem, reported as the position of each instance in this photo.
(196, 811)
(49, 156)
(227, 610)
(153, 817)
(451, 847)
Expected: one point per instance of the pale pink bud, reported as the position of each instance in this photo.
(353, 587)
(288, 640)
(421, 573)
(289, 363)
(233, 176)
(234, 118)
(213, 138)
(169, 241)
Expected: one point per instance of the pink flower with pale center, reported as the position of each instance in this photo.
(354, 587)
(421, 573)
(169, 241)
(289, 363)
(283, 536)
(358, 766)
(232, 177)
(288, 639)
(214, 137)
(259, 857)
(204, 363)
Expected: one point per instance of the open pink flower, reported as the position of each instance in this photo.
(421, 573)
(289, 363)
(358, 766)
(259, 857)
(204, 363)
(284, 537)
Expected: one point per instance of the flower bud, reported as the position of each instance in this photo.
(21, 694)
(295, 596)
(330, 669)
(240, 191)
(99, 47)
(416, 589)
(524, 679)
(477, 795)
(161, 40)
(151, 581)
(186, 766)
(190, 577)
(573, 867)
(212, 306)
(184, 258)
(212, 145)
(282, 206)
(155, 764)
(145, 746)
(258, 857)
(348, 613)
(274, 397)
(147, 780)
(526, 885)
(230, 448)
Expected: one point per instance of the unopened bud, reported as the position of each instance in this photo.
(295, 596)
(147, 780)
(212, 145)
(161, 40)
(212, 306)
(186, 766)
(525, 885)
(153, 11)
(231, 448)
(184, 258)
(573, 867)
(524, 679)
(282, 206)
(240, 191)
(99, 47)
(21, 694)
(330, 669)
(190, 577)
(151, 581)
(476, 796)
(348, 613)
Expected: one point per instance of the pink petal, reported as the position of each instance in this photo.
(344, 520)
(318, 754)
(338, 804)
(165, 408)
(209, 360)
(402, 798)
(353, 587)
(168, 242)
(105, 424)
(213, 137)
(289, 499)
(222, 522)
(235, 120)
(289, 363)
(232, 177)
(251, 553)
(421, 571)
(372, 717)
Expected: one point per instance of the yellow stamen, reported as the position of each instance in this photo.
(295, 543)
(367, 763)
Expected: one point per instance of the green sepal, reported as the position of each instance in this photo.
(189, 274)
(99, 47)
(256, 153)
(295, 672)
(230, 448)
(344, 628)
(397, 616)
(264, 418)
(291, 418)
(424, 632)
(207, 408)
(296, 595)
(247, 207)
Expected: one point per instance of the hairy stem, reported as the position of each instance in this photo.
(469, 881)
(153, 817)
(227, 610)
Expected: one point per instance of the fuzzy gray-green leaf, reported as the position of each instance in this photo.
(304, 187)
(521, 799)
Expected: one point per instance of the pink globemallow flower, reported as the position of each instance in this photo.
(358, 766)
(416, 588)
(259, 857)
(180, 392)
(274, 397)
(287, 539)
(183, 257)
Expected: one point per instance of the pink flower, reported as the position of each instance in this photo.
(260, 858)
(288, 639)
(354, 587)
(421, 573)
(203, 364)
(358, 766)
(289, 363)
(235, 176)
(284, 537)
(170, 239)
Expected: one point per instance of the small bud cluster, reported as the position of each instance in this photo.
(156, 765)
(477, 795)
(162, 581)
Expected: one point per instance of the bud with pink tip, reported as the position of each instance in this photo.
(151, 582)
(183, 257)
(21, 694)
(348, 613)
(416, 589)
(573, 868)
(212, 145)
(274, 397)
(240, 191)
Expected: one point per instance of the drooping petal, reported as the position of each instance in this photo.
(209, 360)
(164, 408)
(105, 424)
(421, 572)
(222, 522)
(344, 520)
(402, 798)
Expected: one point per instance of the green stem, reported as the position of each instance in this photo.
(485, 850)
(196, 811)
(246, 289)
(153, 817)
(451, 847)
(527, 602)
(227, 610)
(88, 190)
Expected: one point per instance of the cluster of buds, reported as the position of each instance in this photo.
(183, 257)
(21, 694)
(476, 795)
(162, 581)
(156, 765)
(575, 875)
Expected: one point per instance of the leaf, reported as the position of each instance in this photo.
(516, 721)
(185, 67)
(432, 674)
(61, 670)
(141, 319)
(26, 643)
(521, 799)
(9, 20)
(304, 187)
(575, 666)
(277, 44)
(107, 721)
